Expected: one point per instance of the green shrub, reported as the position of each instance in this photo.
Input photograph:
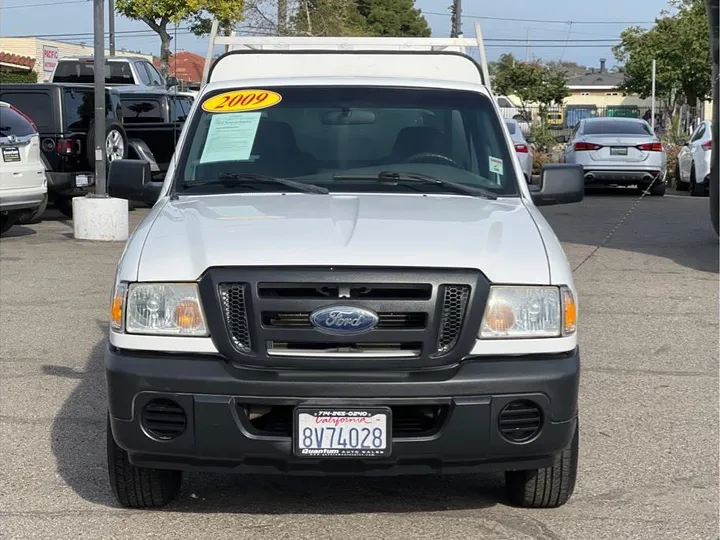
(8, 77)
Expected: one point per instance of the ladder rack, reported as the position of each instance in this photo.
(340, 44)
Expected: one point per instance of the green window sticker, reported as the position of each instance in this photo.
(496, 165)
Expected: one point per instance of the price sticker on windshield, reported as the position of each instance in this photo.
(241, 101)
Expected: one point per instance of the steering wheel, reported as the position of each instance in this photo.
(433, 157)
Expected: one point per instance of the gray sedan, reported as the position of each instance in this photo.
(618, 151)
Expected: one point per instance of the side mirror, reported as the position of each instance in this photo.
(560, 183)
(171, 81)
(131, 179)
(562, 139)
(530, 139)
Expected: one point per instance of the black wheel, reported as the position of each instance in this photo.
(679, 184)
(7, 221)
(549, 487)
(658, 190)
(33, 216)
(64, 205)
(139, 487)
(695, 189)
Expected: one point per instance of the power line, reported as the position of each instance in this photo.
(539, 20)
(44, 4)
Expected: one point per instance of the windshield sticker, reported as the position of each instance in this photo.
(496, 165)
(241, 100)
(230, 137)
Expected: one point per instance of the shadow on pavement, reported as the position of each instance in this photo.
(18, 231)
(675, 227)
(78, 443)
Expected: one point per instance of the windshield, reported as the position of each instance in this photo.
(311, 134)
(616, 127)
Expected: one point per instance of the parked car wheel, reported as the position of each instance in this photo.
(549, 487)
(63, 205)
(679, 184)
(139, 487)
(658, 190)
(33, 216)
(695, 189)
(7, 221)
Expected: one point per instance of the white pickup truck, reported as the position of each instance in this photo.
(343, 272)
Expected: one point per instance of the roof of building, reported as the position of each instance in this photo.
(17, 60)
(185, 66)
(601, 79)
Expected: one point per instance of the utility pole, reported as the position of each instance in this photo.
(282, 17)
(652, 114)
(456, 19)
(99, 63)
(111, 25)
(527, 44)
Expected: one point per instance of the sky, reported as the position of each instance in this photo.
(584, 31)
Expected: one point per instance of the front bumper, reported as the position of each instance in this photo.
(219, 436)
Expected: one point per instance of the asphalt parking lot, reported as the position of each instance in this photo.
(649, 404)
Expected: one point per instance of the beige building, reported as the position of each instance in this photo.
(41, 55)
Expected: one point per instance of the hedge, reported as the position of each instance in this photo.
(7, 77)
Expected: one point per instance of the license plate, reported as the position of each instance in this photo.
(11, 154)
(618, 151)
(343, 433)
(82, 180)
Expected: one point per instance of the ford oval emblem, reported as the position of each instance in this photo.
(344, 320)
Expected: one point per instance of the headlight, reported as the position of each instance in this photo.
(158, 308)
(528, 312)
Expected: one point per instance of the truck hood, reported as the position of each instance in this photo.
(191, 234)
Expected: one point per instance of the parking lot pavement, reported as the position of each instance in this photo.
(649, 404)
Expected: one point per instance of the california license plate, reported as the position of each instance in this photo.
(10, 154)
(618, 151)
(342, 433)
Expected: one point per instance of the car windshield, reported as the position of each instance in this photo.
(616, 127)
(313, 134)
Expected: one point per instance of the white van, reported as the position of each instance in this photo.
(344, 272)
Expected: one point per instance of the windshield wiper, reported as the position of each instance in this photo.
(393, 177)
(240, 179)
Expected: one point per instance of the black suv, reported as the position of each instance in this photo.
(141, 123)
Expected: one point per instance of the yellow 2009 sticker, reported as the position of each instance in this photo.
(241, 100)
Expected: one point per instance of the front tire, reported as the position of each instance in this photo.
(550, 487)
(695, 189)
(139, 487)
(679, 184)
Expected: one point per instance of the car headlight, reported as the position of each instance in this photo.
(158, 308)
(528, 312)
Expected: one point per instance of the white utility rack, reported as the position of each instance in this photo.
(347, 44)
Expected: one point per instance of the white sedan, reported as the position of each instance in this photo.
(522, 147)
(693, 164)
(23, 184)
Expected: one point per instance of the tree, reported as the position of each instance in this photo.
(531, 82)
(393, 18)
(359, 18)
(157, 14)
(679, 44)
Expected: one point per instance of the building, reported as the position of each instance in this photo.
(600, 88)
(186, 67)
(41, 55)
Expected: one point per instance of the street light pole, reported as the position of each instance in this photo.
(652, 114)
(99, 63)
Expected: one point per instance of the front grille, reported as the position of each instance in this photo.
(368, 291)
(455, 300)
(261, 316)
(520, 421)
(407, 420)
(232, 296)
(276, 319)
(163, 419)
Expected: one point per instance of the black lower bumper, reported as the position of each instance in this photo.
(218, 434)
(66, 183)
